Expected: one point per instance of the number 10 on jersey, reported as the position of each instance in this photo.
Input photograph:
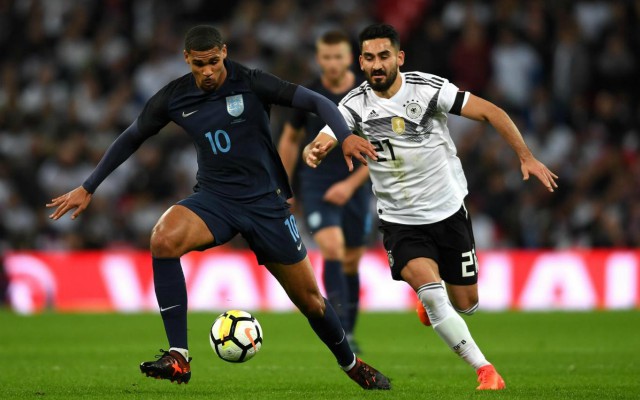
(220, 141)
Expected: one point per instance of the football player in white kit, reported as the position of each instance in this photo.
(419, 183)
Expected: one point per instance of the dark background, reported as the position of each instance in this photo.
(74, 74)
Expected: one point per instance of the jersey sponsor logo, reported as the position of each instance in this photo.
(397, 125)
(185, 115)
(372, 114)
(235, 105)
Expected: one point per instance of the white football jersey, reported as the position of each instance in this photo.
(418, 178)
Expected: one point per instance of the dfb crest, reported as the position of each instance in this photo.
(235, 105)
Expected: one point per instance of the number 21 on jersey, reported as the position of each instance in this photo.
(381, 146)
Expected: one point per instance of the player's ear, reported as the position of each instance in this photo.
(400, 58)
(223, 51)
(186, 56)
(360, 60)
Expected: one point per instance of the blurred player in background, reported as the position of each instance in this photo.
(335, 202)
(420, 185)
(242, 188)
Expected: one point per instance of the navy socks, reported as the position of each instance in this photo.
(171, 292)
(353, 302)
(336, 288)
(330, 331)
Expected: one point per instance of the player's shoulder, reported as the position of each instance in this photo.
(173, 90)
(253, 76)
(419, 78)
(180, 84)
(357, 94)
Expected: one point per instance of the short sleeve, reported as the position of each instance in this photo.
(271, 89)
(447, 97)
(155, 114)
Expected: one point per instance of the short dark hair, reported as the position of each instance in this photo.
(380, 31)
(334, 37)
(202, 37)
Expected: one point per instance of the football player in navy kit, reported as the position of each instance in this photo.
(242, 187)
(335, 202)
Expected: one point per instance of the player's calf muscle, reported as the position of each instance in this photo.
(312, 306)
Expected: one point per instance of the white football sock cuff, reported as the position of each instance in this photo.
(470, 310)
(184, 352)
(348, 367)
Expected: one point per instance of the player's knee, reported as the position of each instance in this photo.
(466, 306)
(312, 306)
(164, 244)
(332, 251)
(351, 262)
(331, 244)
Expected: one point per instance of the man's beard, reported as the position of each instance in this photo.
(382, 86)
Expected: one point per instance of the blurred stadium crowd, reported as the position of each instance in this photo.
(74, 74)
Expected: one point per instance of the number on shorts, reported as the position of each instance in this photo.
(293, 228)
(469, 259)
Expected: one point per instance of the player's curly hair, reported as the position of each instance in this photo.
(380, 31)
(202, 37)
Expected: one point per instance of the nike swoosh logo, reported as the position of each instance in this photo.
(247, 332)
(185, 115)
(299, 246)
(168, 308)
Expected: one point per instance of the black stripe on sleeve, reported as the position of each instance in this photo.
(457, 104)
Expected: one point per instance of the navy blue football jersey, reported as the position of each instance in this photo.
(230, 129)
(333, 167)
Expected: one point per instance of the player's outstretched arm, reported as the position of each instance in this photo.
(481, 110)
(121, 149)
(352, 145)
(78, 199)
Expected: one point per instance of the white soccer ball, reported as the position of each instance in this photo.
(236, 336)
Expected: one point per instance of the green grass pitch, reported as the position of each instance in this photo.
(591, 355)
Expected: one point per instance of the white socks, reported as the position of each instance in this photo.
(184, 352)
(449, 325)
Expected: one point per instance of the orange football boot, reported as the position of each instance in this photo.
(422, 314)
(489, 378)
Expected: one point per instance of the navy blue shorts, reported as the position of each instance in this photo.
(354, 217)
(266, 224)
